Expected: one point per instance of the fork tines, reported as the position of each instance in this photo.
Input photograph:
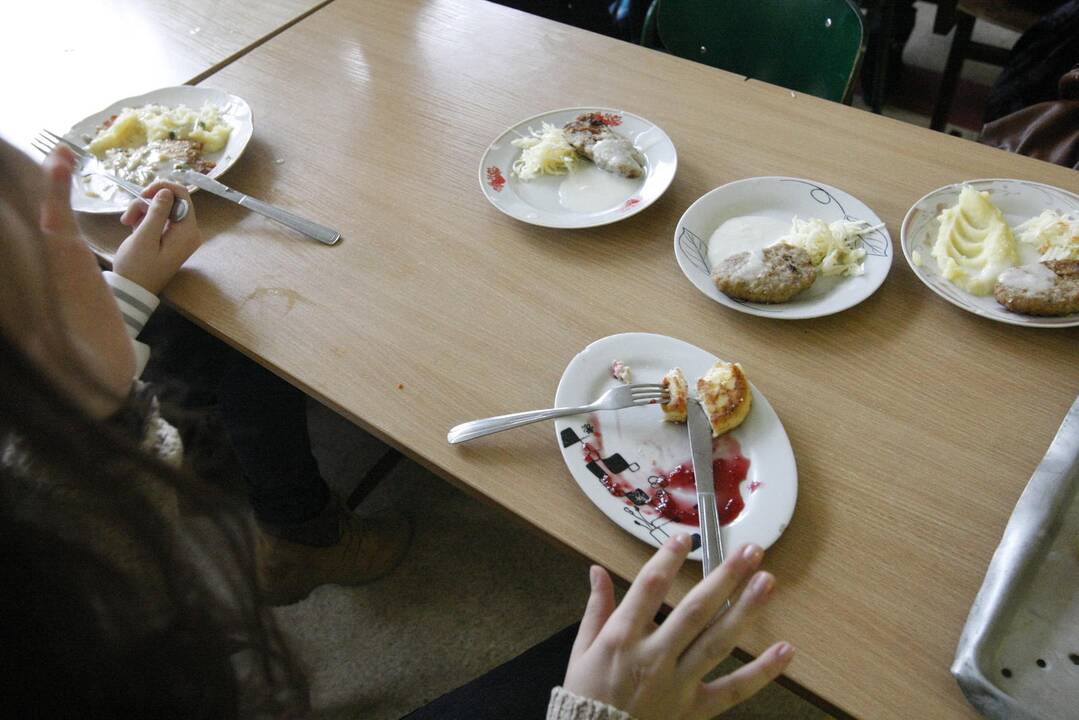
(43, 145)
(46, 141)
(646, 393)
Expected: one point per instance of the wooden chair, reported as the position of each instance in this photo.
(811, 46)
(963, 14)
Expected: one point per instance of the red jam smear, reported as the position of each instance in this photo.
(674, 495)
(495, 178)
(729, 471)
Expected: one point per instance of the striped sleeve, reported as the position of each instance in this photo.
(137, 304)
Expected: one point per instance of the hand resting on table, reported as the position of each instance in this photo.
(622, 658)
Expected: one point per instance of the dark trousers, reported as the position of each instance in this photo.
(520, 689)
(202, 382)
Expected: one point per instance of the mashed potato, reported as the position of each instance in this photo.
(139, 126)
(974, 243)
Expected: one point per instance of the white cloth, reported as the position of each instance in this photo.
(137, 304)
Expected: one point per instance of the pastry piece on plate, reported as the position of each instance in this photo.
(674, 410)
(621, 371)
(725, 396)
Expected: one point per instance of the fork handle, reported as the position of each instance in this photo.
(488, 426)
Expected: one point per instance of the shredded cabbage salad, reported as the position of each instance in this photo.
(1055, 234)
(547, 152)
(833, 248)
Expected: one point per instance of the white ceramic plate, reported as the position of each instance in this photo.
(589, 196)
(235, 111)
(782, 198)
(634, 448)
(1019, 200)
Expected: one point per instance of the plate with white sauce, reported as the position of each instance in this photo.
(637, 469)
(93, 194)
(1019, 201)
(752, 214)
(581, 195)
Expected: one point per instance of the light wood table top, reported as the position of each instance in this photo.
(64, 60)
(915, 425)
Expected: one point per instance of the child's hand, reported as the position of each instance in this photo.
(157, 247)
(75, 333)
(623, 659)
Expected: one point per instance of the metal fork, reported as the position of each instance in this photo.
(45, 142)
(614, 399)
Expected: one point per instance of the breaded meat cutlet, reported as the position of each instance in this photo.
(188, 152)
(1063, 268)
(725, 396)
(674, 382)
(772, 275)
(1043, 288)
(590, 136)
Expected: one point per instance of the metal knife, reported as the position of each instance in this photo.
(700, 445)
(323, 234)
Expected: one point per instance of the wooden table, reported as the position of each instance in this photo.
(65, 60)
(915, 425)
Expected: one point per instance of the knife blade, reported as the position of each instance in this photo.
(323, 234)
(700, 445)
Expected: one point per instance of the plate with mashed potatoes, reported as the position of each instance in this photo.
(1003, 249)
(635, 464)
(782, 247)
(578, 167)
(146, 137)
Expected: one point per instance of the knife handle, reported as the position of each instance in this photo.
(711, 542)
(323, 234)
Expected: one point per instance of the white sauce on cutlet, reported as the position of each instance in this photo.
(744, 233)
(611, 153)
(752, 268)
(1033, 279)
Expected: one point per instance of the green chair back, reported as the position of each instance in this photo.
(811, 46)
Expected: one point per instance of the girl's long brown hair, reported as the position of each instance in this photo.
(112, 603)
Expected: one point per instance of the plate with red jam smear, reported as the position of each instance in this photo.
(636, 468)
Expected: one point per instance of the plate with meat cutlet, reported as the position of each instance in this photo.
(635, 464)
(784, 248)
(1003, 249)
(578, 167)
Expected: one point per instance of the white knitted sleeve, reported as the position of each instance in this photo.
(565, 705)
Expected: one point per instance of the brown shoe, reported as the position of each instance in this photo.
(367, 549)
